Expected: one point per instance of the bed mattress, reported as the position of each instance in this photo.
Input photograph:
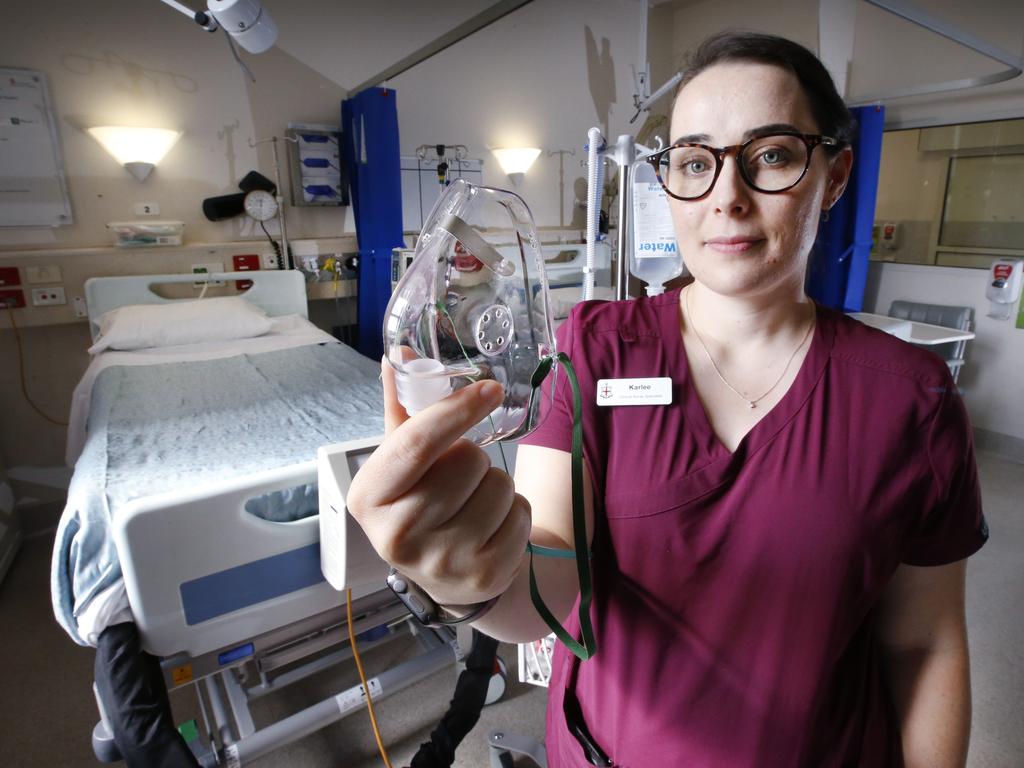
(158, 420)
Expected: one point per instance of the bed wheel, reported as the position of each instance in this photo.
(499, 682)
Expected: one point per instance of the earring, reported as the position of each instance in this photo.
(824, 215)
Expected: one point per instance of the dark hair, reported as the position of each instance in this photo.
(827, 106)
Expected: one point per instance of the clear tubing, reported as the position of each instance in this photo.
(595, 180)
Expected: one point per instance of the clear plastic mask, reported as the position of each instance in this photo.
(466, 310)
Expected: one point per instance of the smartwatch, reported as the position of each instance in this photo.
(427, 611)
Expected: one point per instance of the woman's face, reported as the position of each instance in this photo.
(737, 241)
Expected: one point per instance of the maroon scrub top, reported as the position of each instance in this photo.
(735, 594)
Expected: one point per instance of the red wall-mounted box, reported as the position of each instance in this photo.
(245, 263)
(9, 276)
(17, 295)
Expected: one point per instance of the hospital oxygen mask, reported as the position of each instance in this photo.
(467, 310)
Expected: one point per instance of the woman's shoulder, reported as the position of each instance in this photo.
(878, 354)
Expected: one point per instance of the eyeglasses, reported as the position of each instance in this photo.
(768, 164)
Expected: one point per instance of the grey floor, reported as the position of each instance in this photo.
(47, 710)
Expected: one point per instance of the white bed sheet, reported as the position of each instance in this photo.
(286, 331)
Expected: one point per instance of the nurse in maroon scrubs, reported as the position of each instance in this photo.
(778, 552)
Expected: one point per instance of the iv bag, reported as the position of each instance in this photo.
(466, 310)
(654, 257)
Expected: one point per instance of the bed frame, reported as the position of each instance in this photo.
(215, 590)
(276, 292)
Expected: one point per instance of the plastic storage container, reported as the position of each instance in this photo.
(144, 234)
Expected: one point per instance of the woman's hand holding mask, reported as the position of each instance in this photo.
(432, 505)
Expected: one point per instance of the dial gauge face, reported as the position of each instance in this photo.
(261, 205)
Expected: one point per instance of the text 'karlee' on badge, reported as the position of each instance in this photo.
(652, 391)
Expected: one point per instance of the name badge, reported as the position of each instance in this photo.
(653, 391)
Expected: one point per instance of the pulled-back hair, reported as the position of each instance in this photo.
(827, 106)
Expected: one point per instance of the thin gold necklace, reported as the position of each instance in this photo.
(752, 403)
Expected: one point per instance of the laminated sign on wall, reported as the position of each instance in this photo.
(33, 190)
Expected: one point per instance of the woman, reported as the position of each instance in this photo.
(779, 553)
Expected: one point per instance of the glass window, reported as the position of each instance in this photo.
(951, 195)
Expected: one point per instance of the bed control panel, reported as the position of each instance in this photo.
(347, 558)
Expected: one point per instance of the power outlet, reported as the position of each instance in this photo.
(81, 310)
(209, 267)
(48, 297)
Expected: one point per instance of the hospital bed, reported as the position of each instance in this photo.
(193, 513)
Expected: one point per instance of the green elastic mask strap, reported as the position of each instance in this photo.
(588, 647)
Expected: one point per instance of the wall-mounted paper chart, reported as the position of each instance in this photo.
(33, 190)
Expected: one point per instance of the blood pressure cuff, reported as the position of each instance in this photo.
(134, 696)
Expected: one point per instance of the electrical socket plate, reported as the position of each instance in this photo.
(208, 267)
(269, 261)
(48, 297)
(81, 310)
(43, 275)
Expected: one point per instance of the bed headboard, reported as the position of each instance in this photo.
(277, 292)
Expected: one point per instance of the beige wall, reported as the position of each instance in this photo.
(541, 76)
(147, 65)
(888, 53)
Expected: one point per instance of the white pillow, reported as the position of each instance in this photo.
(138, 326)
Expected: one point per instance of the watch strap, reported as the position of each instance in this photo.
(428, 611)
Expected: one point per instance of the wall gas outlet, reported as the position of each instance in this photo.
(43, 275)
(12, 298)
(146, 209)
(244, 263)
(208, 268)
(9, 276)
(269, 261)
(48, 297)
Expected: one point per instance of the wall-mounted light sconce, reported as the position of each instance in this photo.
(139, 150)
(516, 161)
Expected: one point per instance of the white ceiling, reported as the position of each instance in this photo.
(351, 41)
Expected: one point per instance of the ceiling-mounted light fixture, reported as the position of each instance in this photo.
(248, 23)
(139, 150)
(516, 161)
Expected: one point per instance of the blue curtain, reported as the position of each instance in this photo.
(370, 145)
(838, 267)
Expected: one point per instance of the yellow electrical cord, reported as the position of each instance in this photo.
(362, 678)
(21, 372)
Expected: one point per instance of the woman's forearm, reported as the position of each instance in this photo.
(514, 618)
(931, 689)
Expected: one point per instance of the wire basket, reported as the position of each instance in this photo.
(535, 661)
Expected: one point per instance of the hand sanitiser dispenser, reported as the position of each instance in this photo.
(1004, 287)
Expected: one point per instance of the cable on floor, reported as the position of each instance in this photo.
(362, 679)
(21, 372)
